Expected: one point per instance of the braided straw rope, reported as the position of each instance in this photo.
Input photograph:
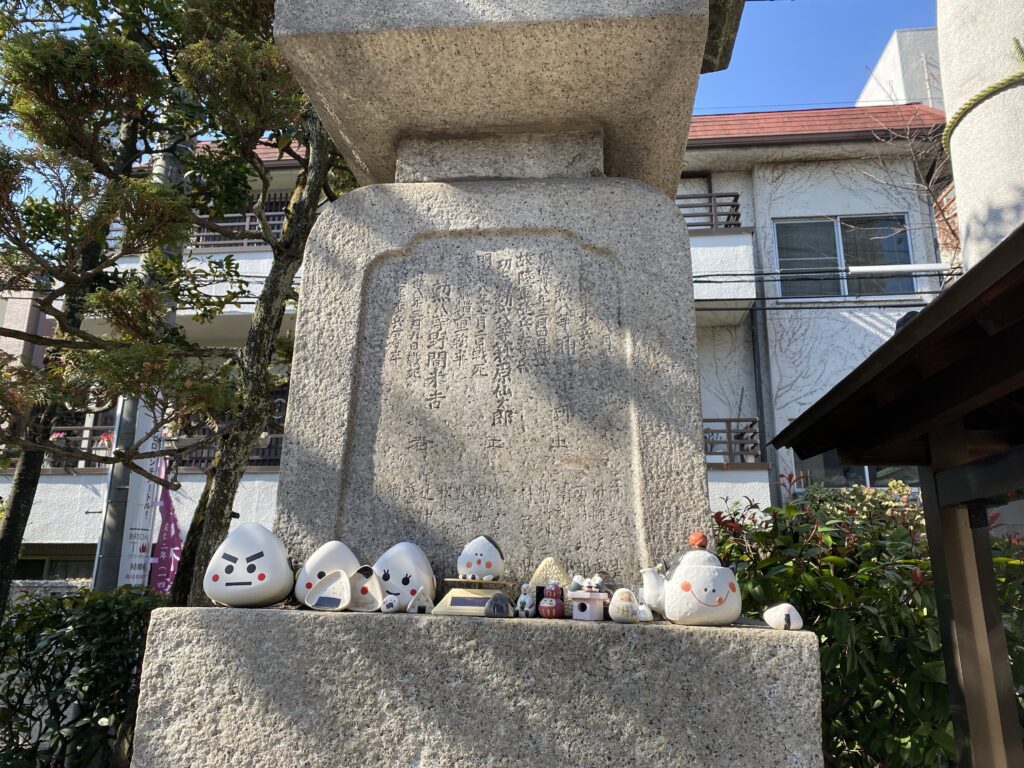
(1016, 78)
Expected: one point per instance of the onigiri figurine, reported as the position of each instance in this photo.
(391, 604)
(366, 590)
(783, 616)
(250, 569)
(624, 607)
(332, 556)
(697, 590)
(481, 559)
(403, 571)
(498, 607)
(526, 605)
(331, 593)
(420, 604)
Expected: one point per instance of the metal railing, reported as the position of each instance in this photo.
(268, 455)
(720, 210)
(732, 441)
(208, 240)
(94, 439)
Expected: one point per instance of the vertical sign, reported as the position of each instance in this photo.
(143, 503)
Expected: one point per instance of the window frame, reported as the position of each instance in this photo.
(841, 259)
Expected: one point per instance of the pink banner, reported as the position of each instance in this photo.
(167, 550)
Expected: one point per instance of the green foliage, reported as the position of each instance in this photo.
(855, 564)
(71, 92)
(70, 668)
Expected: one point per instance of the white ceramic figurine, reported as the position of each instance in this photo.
(526, 605)
(250, 569)
(481, 559)
(332, 556)
(624, 607)
(403, 571)
(783, 616)
(366, 590)
(697, 590)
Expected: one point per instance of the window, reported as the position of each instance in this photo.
(816, 254)
(826, 470)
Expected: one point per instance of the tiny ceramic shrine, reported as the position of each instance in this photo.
(250, 569)
(481, 559)
(551, 605)
(404, 570)
(783, 616)
(526, 604)
(332, 556)
(696, 590)
(624, 608)
(588, 599)
(367, 592)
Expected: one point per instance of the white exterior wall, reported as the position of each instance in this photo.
(810, 350)
(68, 508)
(907, 71)
(728, 488)
(727, 385)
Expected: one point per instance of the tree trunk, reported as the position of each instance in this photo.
(16, 512)
(253, 415)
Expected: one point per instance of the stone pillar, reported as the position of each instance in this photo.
(503, 340)
(496, 336)
(976, 50)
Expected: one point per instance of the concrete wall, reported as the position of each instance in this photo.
(907, 71)
(69, 508)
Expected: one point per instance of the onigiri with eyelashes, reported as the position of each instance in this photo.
(404, 570)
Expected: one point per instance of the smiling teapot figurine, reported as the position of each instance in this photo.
(697, 590)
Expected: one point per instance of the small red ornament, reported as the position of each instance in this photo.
(698, 539)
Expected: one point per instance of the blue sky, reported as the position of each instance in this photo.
(796, 54)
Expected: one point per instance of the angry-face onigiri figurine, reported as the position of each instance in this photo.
(250, 569)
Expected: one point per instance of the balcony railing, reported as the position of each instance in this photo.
(732, 441)
(720, 210)
(93, 439)
(208, 240)
(265, 456)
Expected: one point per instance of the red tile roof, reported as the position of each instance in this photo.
(796, 126)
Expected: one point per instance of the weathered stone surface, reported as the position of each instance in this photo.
(505, 156)
(515, 359)
(976, 48)
(289, 688)
(378, 73)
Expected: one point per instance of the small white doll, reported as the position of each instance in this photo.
(481, 559)
(250, 569)
(624, 608)
(332, 556)
(526, 605)
(404, 570)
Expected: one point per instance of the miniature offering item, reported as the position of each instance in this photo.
(332, 556)
(589, 600)
(404, 570)
(526, 605)
(331, 593)
(783, 616)
(697, 591)
(250, 569)
(421, 604)
(481, 559)
(645, 613)
(498, 607)
(366, 591)
(624, 607)
(464, 602)
(551, 605)
(391, 604)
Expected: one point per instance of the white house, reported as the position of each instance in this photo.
(810, 236)
(907, 71)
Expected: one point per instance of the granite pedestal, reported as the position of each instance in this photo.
(282, 689)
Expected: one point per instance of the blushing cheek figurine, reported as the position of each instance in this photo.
(250, 569)
(403, 571)
(481, 559)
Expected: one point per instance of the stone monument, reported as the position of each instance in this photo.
(496, 336)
